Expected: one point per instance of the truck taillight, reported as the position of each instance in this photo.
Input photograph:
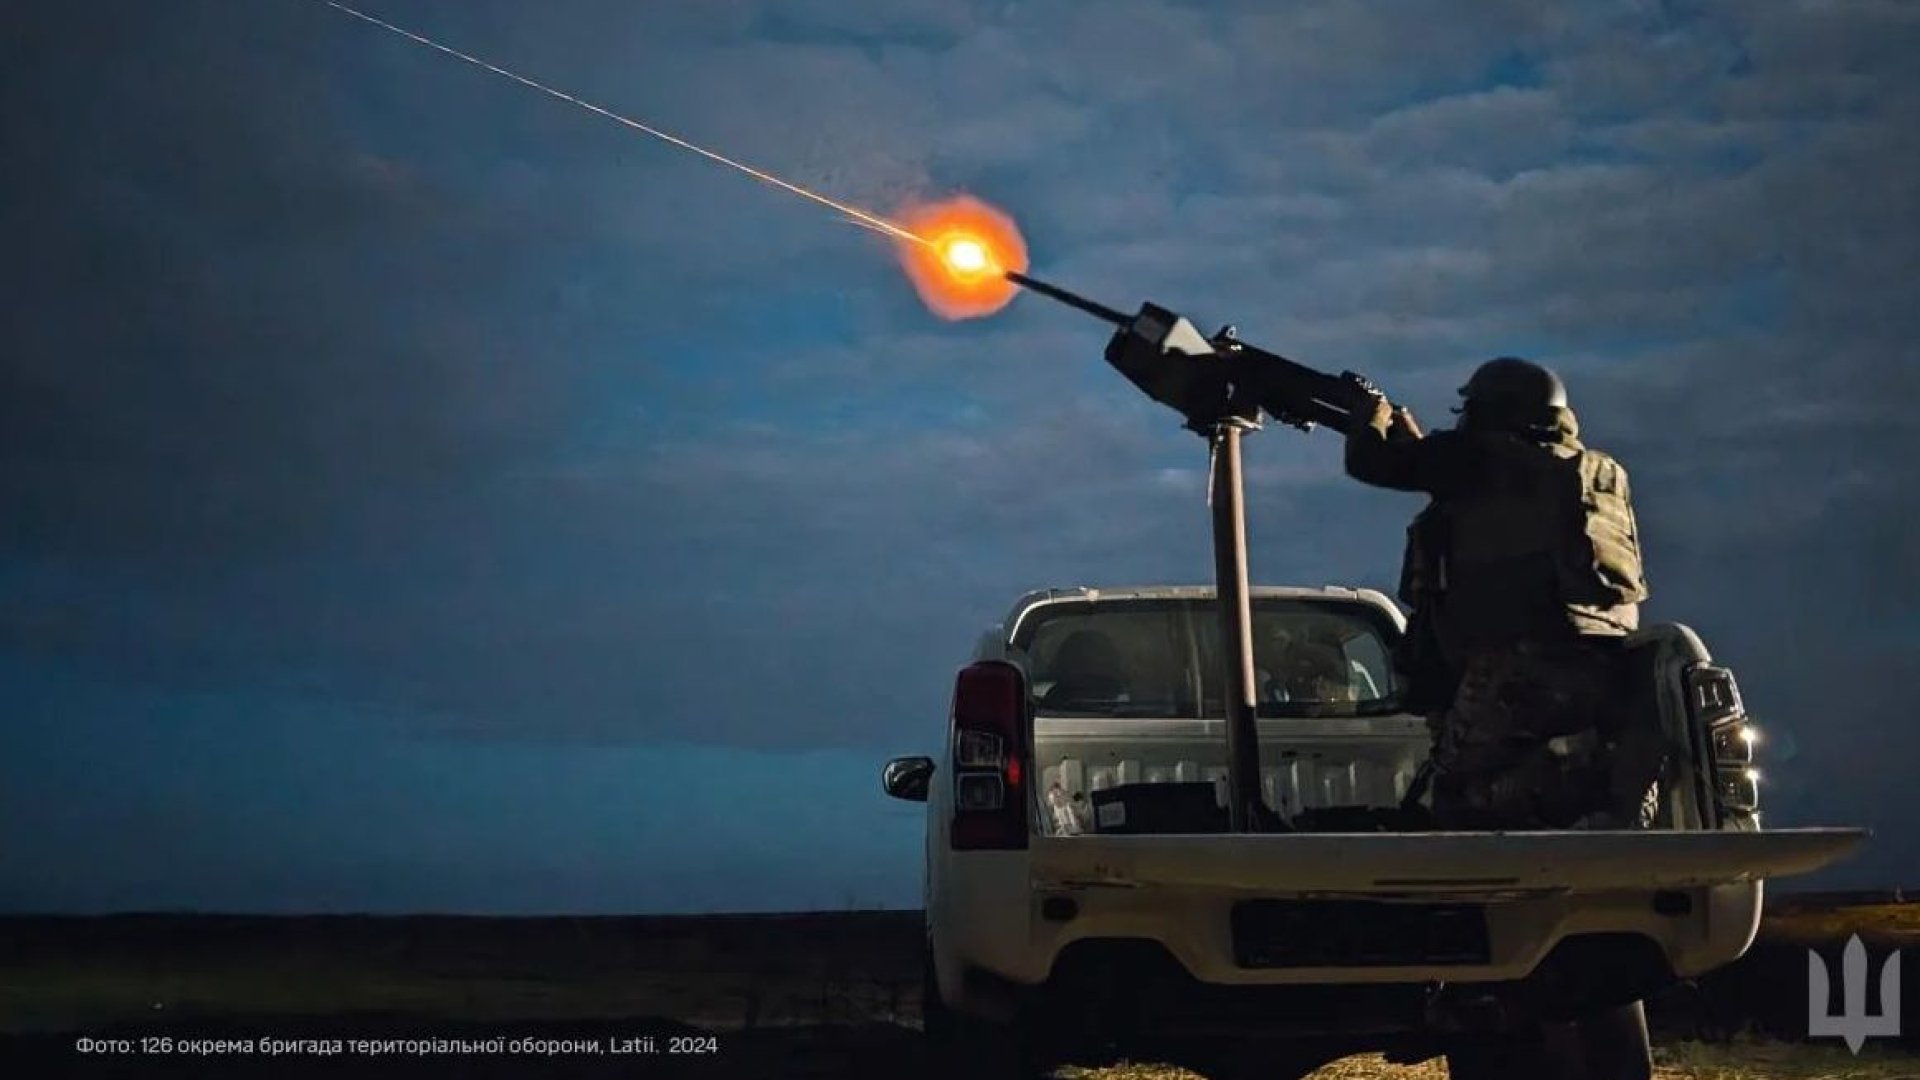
(990, 724)
(1729, 737)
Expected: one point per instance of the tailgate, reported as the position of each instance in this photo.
(1371, 863)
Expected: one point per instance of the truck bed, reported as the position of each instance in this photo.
(1317, 764)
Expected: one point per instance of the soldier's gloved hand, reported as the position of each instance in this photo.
(1394, 422)
(1381, 419)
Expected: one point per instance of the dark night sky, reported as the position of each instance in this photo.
(417, 494)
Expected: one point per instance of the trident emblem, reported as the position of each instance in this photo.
(1854, 1024)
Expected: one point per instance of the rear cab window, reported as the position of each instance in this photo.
(1162, 658)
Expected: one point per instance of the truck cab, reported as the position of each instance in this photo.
(1083, 890)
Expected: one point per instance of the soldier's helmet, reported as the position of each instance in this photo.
(1511, 392)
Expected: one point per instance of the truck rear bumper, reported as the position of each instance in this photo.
(1020, 934)
(1174, 953)
(1138, 987)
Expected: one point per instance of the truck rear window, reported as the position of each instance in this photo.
(1162, 658)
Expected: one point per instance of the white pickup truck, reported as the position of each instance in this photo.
(1084, 896)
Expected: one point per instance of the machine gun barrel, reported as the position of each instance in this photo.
(1072, 300)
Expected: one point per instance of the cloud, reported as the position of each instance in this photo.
(214, 348)
(1500, 130)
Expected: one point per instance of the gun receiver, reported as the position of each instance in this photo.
(1294, 393)
(1208, 379)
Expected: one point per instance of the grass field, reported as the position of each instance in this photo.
(1687, 1061)
(804, 995)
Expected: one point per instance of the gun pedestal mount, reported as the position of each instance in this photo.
(1226, 495)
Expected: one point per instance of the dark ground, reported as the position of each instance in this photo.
(831, 994)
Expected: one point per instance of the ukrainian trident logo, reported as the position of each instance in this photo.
(1854, 1023)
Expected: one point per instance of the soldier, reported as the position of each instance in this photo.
(1524, 575)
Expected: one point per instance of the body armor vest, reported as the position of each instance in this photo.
(1546, 545)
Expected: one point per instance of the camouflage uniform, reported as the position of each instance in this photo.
(1524, 577)
(1515, 749)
